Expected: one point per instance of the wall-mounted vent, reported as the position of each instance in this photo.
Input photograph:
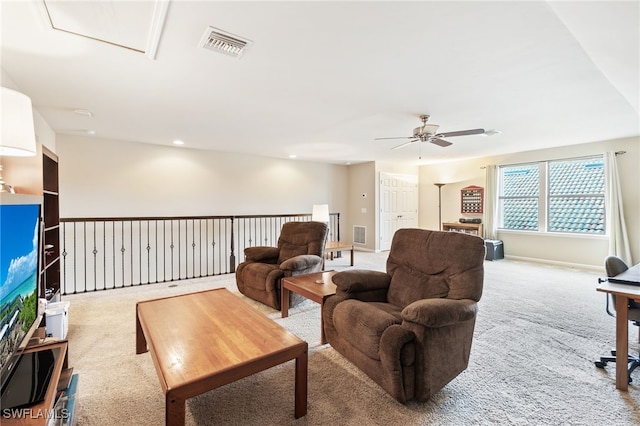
(360, 234)
(223, 42)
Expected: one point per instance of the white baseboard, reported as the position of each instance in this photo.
(599, 269)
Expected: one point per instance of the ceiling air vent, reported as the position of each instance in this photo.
(221, 41)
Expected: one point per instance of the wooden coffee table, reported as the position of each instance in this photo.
(201, 341)
(307, 286)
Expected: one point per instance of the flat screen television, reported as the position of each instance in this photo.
(20, 257)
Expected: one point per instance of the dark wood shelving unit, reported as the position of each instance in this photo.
(51, 213)
(466, 228)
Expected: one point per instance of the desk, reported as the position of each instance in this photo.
(631, 276)
(623, 293)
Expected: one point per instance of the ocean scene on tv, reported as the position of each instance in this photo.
(19, 228)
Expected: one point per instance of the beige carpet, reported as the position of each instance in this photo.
(539, 330)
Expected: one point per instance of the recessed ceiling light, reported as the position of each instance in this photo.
(84, 112)
(178, 142)
(292, 156)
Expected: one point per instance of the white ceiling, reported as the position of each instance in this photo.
(323, 79)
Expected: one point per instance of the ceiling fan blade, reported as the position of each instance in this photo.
(460, 133)
(404, 144)
(440, 142)
(400, 137)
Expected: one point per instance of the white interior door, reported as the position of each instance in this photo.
(398, 205)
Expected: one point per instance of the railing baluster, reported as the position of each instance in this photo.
(139, 252)
(75, 255)
(163, 244)
(193, 248)
(64, 262)
(104, 255)
(156, 252)
(95, 254)
(148, 248)
(131, 254)
(84, 247)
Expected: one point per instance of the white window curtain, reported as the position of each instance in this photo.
(616, 228)
(490, 216)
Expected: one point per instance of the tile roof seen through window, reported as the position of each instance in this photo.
(575, 199)
(576, 177)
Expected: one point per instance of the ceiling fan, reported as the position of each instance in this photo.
(427, 133)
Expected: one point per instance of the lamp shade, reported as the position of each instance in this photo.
(18, 131)
(320, 213)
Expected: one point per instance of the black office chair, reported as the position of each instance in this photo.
(615, 266)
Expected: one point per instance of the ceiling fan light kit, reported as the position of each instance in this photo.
(491, 132)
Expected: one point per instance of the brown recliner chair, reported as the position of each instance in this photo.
(410, 329)
(300, 250)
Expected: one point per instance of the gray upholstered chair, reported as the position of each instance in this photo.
(613, 266)
(299, 251)
(410, 328)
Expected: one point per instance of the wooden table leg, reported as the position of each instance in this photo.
(351, 255)
(301, 385)
(141, 341)
(284, 301)
(175, 407)
(323, 338)
(622, 342)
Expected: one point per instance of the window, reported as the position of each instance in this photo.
(553, 196)
(519, 198)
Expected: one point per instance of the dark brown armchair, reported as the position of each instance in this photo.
(300, 250)
(410, 329)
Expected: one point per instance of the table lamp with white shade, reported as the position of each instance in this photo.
(18, 137)
(320, 213)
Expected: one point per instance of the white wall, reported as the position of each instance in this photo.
(44, 134)
(103, 178)
(571, 250)
(362, 210)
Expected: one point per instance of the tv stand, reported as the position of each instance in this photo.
(42, 412)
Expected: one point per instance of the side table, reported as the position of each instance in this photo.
(337, 246)
(309, 287)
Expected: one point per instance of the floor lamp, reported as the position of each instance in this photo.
(439, 185)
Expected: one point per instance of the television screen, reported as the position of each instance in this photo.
(20, 233)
